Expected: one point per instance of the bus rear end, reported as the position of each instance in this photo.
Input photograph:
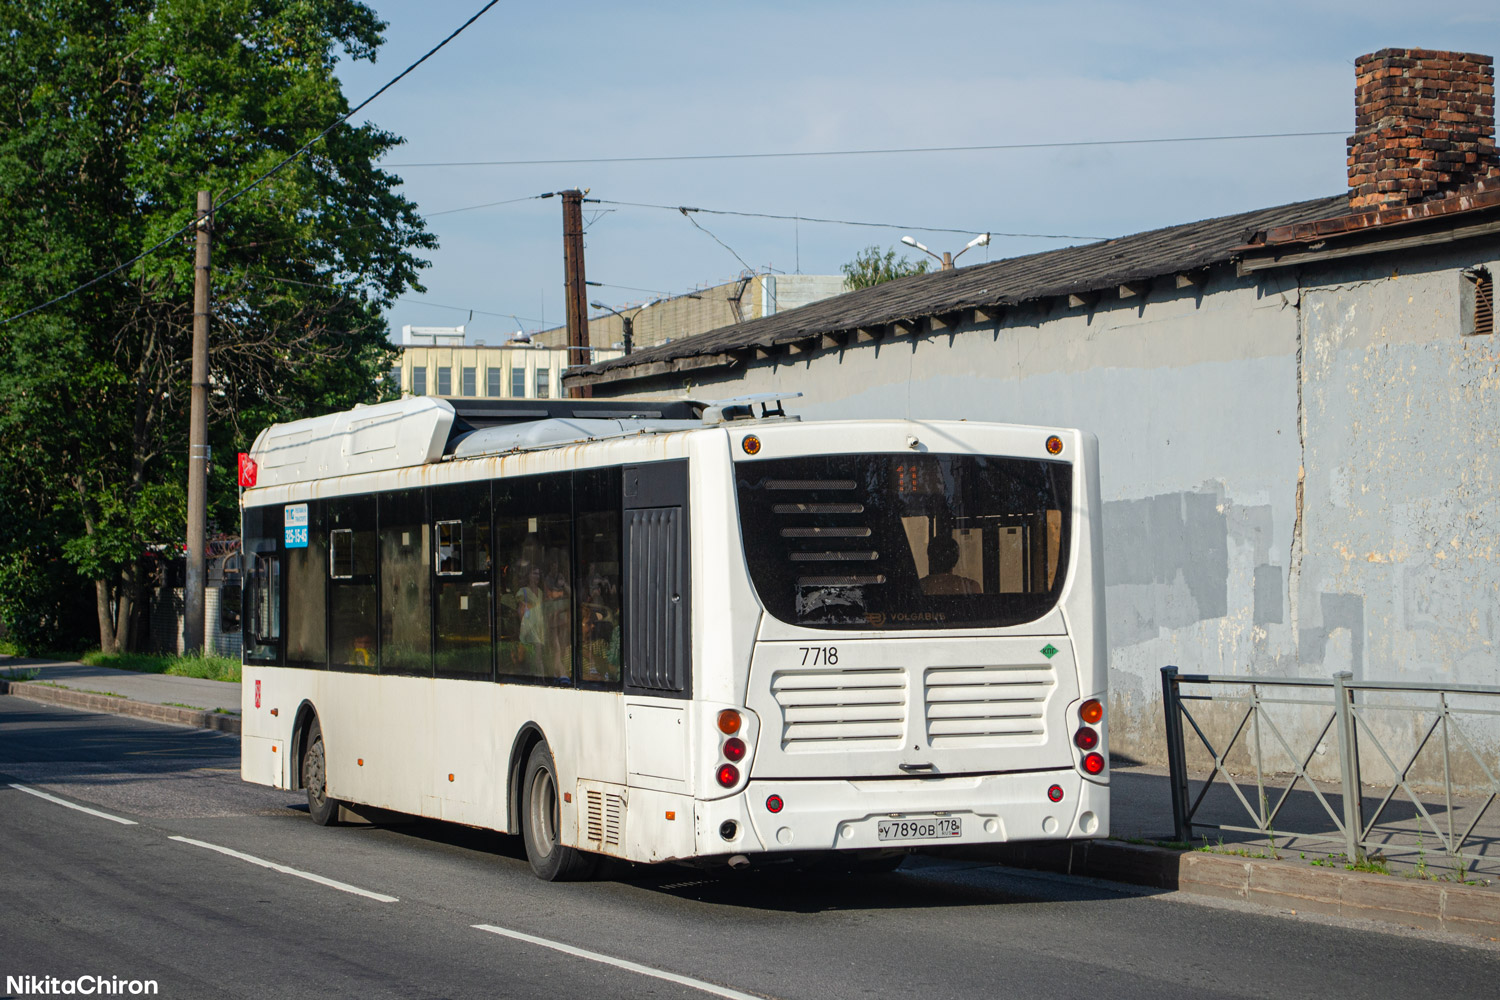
(928, 665)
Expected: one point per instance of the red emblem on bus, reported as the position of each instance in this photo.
(257, 694)
(247, 470)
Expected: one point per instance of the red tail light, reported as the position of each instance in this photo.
(1086, 738)
(1093, 763)
(734, 749)
(729, 775)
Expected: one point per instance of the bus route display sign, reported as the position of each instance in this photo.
(296, 525)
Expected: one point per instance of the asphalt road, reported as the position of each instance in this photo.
(398, 911)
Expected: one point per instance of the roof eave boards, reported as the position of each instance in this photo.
(397, 435)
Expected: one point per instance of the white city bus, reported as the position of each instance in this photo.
(662, 631)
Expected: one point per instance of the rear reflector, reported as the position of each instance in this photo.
(1055, 793)
(1093, 763)
(774, 803)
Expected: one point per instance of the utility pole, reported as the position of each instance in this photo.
(197, 492)
(575, 289)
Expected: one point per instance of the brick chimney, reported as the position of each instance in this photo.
(1424, 126)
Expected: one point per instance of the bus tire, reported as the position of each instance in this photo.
(540, 827)
(323, 810)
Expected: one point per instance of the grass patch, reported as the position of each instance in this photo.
(20, 674)
(206, 666)
(1373, 864)
(178, 704)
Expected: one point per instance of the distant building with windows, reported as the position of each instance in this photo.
(438, 361)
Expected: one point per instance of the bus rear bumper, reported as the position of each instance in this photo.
(905, 812)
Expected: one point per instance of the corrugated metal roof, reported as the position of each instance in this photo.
(1072, 270)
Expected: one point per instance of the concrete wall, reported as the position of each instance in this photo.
(1299, 470)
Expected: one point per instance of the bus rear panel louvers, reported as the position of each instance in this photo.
(987, 706)
(604, 818)
(841, 709)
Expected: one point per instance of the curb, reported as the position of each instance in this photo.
(1457, 909)
(121, 706)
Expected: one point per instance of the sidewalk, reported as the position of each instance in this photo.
(1303, 871)
(191, 701)
(1142, 811)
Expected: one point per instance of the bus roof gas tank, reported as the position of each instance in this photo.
(403, 433)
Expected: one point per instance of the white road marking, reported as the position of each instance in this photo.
(620, 963)
(73, 805)
(286, 870)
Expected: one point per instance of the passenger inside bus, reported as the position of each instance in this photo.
(941, 581)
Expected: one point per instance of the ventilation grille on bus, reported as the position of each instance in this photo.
(987, 706)
(852, 709)
(604, 818)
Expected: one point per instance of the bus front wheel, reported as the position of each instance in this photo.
(540, 826)
(323, 810)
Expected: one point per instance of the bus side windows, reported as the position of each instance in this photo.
(462, 564)
(264, 598)
(534, 553)
(260, 592)
(405, 585)
(450, 548)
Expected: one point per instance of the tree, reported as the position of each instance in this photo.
(113, 113)
(871, 267)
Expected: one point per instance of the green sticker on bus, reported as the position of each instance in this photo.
(1049, 651)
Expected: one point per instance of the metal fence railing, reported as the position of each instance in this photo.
(1347, 708)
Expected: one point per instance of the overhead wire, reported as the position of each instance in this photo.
(711, 236)
(246, 189)
(370, 225)
(889, 151)
(399, 298)
(840, 222)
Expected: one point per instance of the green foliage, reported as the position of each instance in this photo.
(206, 665)
(871, 267)
(113, 114)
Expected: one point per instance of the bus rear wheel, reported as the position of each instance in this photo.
(323, 810)
(540, 825)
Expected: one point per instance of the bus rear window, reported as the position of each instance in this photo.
(906, 541)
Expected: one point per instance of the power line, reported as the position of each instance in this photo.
(399, 298)
(897, 150)
(840, 222)
(711, 236)
(370, 225)
(632, 288)
(257, 181)
(482, 312)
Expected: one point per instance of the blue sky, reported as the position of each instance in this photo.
(533, 81)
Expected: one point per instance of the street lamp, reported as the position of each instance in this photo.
(627, 323)
(947, 259)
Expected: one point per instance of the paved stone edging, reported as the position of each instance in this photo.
(120, 706)
(1438, 906)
